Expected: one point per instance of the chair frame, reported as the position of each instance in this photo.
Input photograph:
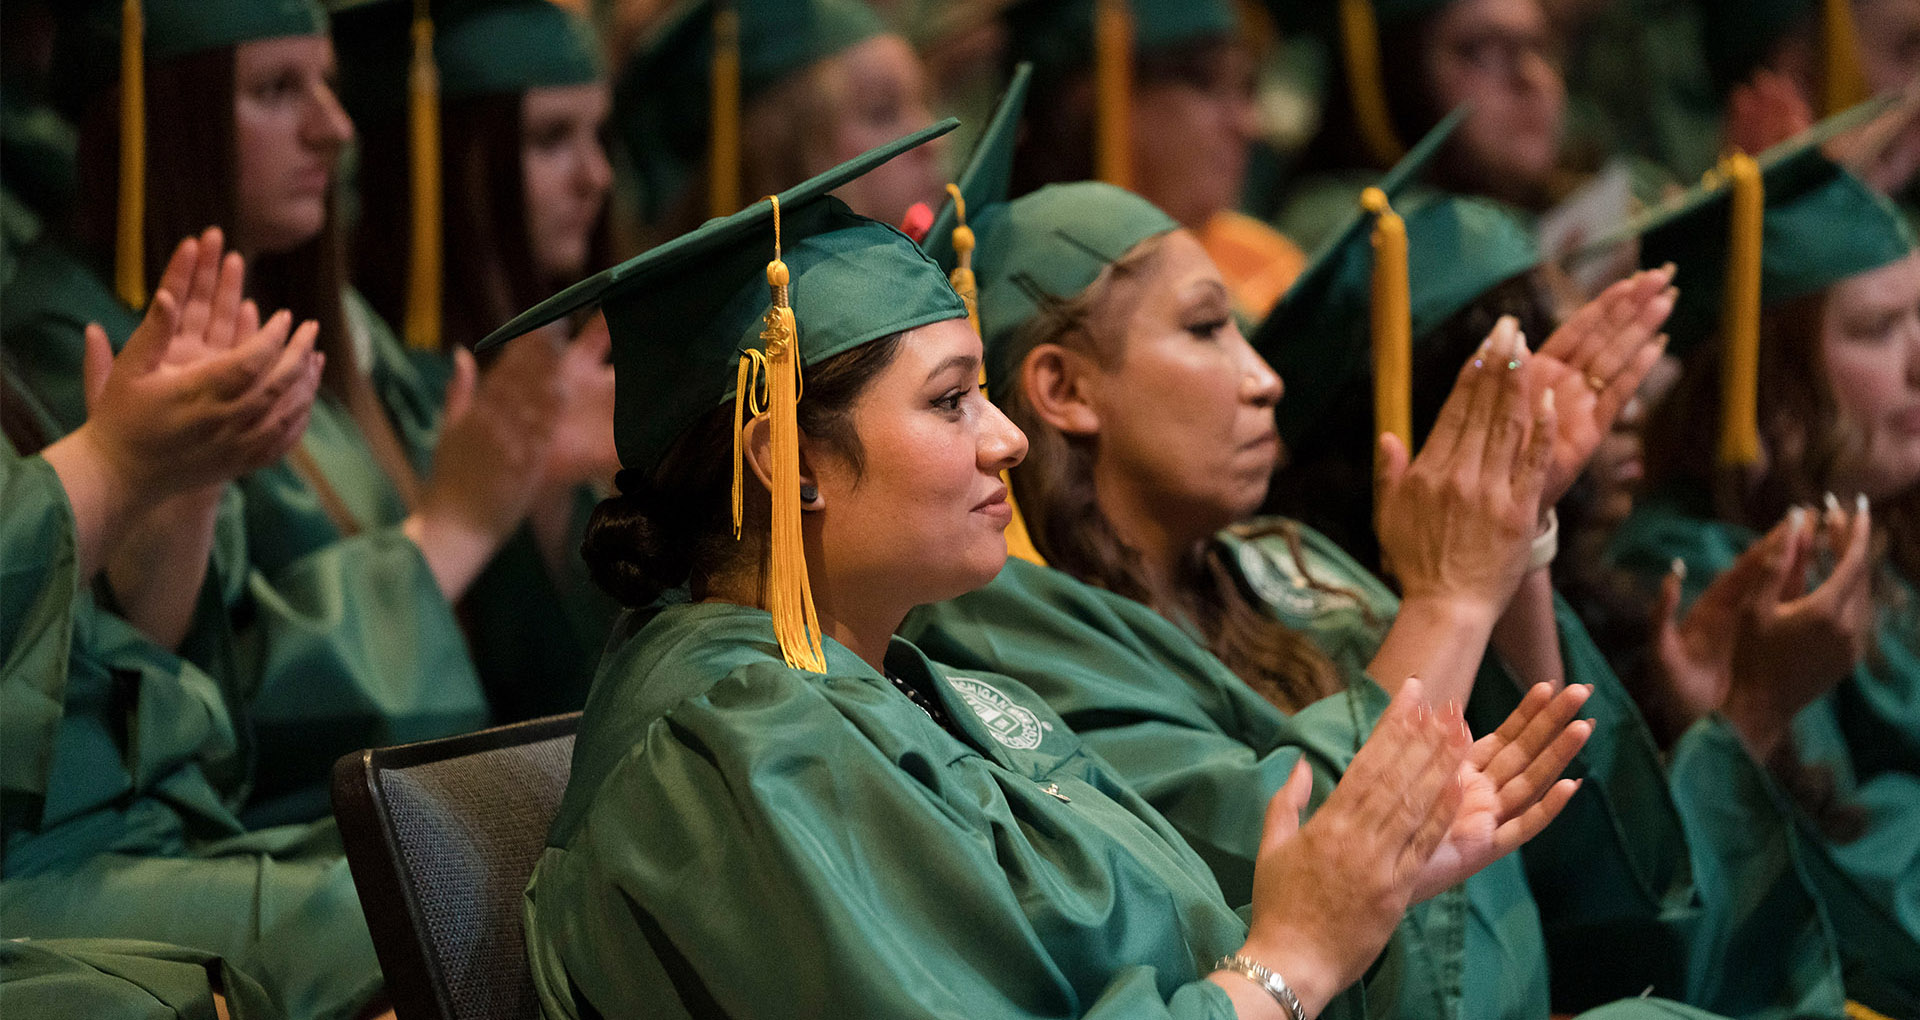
(415, 982)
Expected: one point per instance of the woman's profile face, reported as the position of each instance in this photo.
(1870, 350)
(1502, 57)
(923, 519)
(289, 129)
(1184, 404)
(880, 93)
(565, 174)
(1889, 34)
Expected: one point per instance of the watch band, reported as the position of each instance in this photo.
(1274, 984)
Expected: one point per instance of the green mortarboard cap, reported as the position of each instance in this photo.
(1318, 336)
(988, 177)
(1821, 225)
(1045, 248)
(88, 59)
(486, 47)
(682, 313)
(1057, 35)
(662, 97)
(480, 47)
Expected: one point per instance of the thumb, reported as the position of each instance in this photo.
(96, 365)
(460, 387)
(1283, 811)
(1665, 612)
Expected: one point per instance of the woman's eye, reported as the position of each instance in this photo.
(951, 401)
(1208, 329)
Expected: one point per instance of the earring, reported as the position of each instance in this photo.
(809, 494)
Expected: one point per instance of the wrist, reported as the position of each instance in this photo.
(1294, 959)
(1760, 725)
(454, 550)
(1453, 611)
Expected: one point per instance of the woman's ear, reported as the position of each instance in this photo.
(757, 447)
(1057, 382)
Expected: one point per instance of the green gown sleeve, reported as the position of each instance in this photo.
(123, 979)
(743, 839)
(123, 764)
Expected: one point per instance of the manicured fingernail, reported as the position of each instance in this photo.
(1833, 505)
(1860, 503)
(1678, 568)
(1546, 403)
(1796, 519)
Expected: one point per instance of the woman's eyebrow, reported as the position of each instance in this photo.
(966, 361)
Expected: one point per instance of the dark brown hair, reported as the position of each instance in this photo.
(193, 170)
(674, 526)
(1054, 487)
(487, 268)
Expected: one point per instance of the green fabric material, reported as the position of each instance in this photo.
(1057, 35)
(1318, 207)
(1862, 732)
(123, 979)
(682, 313)
(178, 28)
(1319, 338)
(1804, 247)
(121, 767)
(988, 176)
(662, 97)
(861, 860)
(1209, 753)
(1045, 248)
(1637, 83)
(536, 638)
(338, 641)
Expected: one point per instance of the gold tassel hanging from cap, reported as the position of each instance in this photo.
(130, 240)
(789, 596)
(723, 145)
(1845, 82)
(424, 286)
(1019, 542)
(1740, 316)
(1392, 321)
(1366, 90)
(1113, 83)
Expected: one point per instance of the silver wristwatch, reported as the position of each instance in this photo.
(1274, 984)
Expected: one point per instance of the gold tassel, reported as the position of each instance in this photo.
(1740, 316)
(789, 596)
(1019, 542)
(1856, 1011)
(1846, 83)
(130, 253)
(1392, 321)
(1360, 45)
(1113, 77)
(422, 327)
(723, 146)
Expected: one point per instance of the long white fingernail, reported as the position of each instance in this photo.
(1860, 503)
(1796, 518)
(1679, 568)
(1546, 403)
(1833, 504)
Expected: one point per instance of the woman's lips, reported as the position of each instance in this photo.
(996, 506)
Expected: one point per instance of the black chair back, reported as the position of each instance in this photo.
(442, 836)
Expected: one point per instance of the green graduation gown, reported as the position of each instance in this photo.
(121, 767)
(1864, 731)
(123, 979)
(342, 641)
(1119, 673)
(740, 838)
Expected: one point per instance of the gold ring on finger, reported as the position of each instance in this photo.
(1595, 383)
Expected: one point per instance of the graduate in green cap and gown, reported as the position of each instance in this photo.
(1170, 115)
(733, 99)
(122, 764)
(780, 808)
(335, 600)
(1801, 359)
(1273, 636)
(1401, 66)
(521, 184)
